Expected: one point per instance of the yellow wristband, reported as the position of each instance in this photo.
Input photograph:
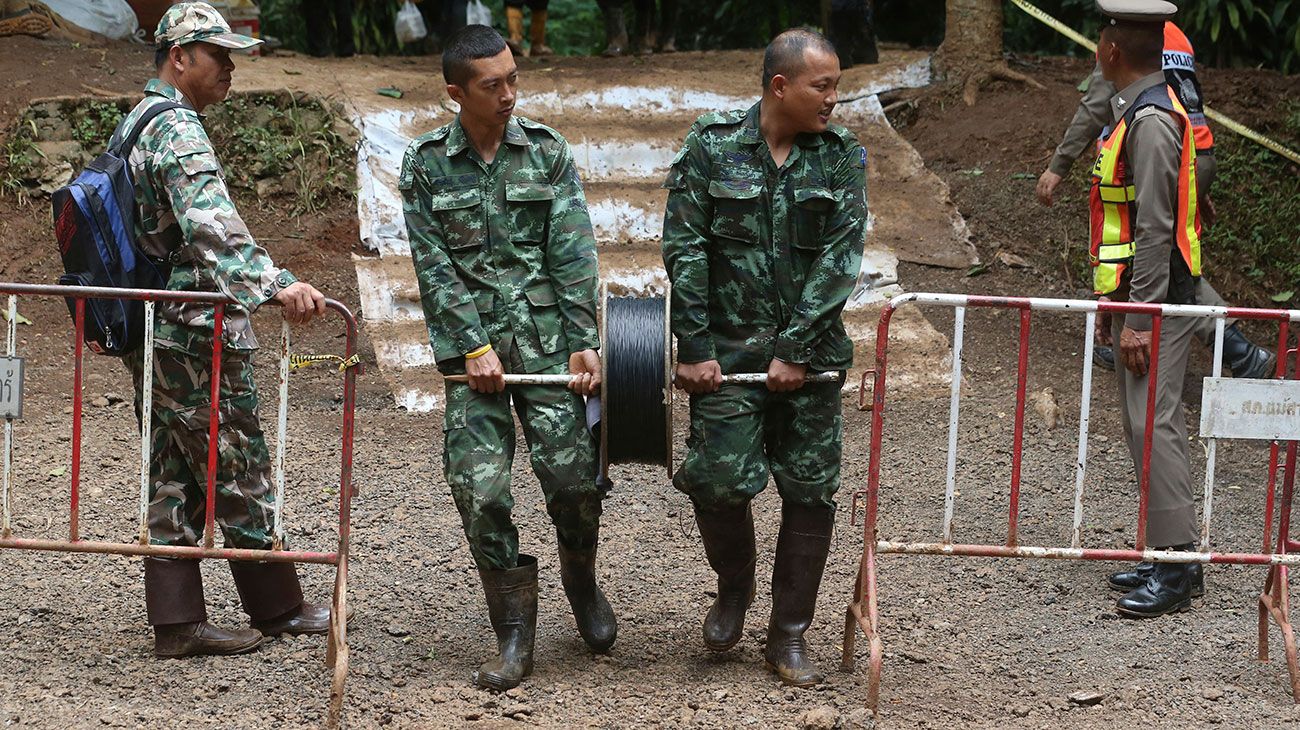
(480, 352)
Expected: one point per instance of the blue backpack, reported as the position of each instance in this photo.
(94, 222)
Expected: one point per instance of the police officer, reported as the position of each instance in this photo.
(1146, 248)
(185, 215)
(506, 261)
(763, 242)
(1242, 357)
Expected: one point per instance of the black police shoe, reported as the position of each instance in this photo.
(1136, 577)
(1167, 590)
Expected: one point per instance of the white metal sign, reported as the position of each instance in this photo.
(1250, 409)
(11, 387)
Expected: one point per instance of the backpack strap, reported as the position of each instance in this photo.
(126, 145)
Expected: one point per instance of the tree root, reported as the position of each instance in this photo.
(1002, 72)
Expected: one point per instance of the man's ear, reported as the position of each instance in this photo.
(456, 93)
(177, 58)
(778, 85)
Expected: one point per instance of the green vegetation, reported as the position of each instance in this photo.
(1254, 251)
(271, 146)
(1242, 32)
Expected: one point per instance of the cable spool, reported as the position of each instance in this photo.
(636, 395)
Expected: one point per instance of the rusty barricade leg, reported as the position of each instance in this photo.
(1273, 602)
(337, 650)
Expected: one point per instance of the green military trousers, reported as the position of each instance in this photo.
(245, 502)
(741, 433)
(479, 447)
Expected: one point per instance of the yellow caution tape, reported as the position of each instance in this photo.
(302, 361)
(1227, 122)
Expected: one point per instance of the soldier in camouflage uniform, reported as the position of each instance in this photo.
(763, 242)
(506, 260)
(185, 217)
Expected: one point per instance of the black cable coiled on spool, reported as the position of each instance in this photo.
(634, 389)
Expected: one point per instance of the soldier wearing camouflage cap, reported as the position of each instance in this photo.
(506, 261)
(763, 241)
(185, 217)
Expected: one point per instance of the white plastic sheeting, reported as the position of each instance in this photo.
(112, 18)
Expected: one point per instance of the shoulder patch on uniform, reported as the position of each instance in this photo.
(843, 135)
(713, 119)
(861, 161)
(527, 123)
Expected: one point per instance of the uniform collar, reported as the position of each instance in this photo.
(458, 141)
(751, 134)
(158, 87)
(1123, 101)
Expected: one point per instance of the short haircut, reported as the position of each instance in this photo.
(469, 44)
(1141, 43)
(785, 54)
(160, 56)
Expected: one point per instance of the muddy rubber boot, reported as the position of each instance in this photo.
(1136, 577)
(801, 551)
(615, 33)
(173, 594)
(537, 36)
(1244, 358)
(1167, 590)
(728, 537)
(595, 617)
(512, 608)
(515, 27)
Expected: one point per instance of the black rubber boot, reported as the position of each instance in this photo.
(512, 608)
(1167, 590)
(801, 551)
(596, 621)
(728, 537)
(1244, 358)
(1136, 577)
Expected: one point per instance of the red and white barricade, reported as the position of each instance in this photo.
(1225, 414)
(10, 403)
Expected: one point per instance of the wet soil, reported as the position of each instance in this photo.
(969, 642)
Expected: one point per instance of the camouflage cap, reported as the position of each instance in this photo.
(193, 22)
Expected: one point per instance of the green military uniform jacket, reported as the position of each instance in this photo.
(763, 259)
(185, 216)
(504, 252)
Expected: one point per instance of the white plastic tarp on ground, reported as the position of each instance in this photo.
(112, 18)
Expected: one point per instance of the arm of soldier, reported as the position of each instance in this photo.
(449, 311)
(1089, 120)
(686, 258)
(1154, 148)
(216, 236)
(571, 267)
(834, 272)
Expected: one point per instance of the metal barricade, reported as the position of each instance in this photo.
(337, 648)
(1279, 555)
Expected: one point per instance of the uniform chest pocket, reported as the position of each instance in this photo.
(812, 207)
(528, 204)
(461, 214)
(737, 207)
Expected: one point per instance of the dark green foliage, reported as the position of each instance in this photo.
(1255, 248)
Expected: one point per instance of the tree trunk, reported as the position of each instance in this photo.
(971, 53)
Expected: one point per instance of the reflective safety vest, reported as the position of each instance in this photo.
(1113, 197)
(1179, 63)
